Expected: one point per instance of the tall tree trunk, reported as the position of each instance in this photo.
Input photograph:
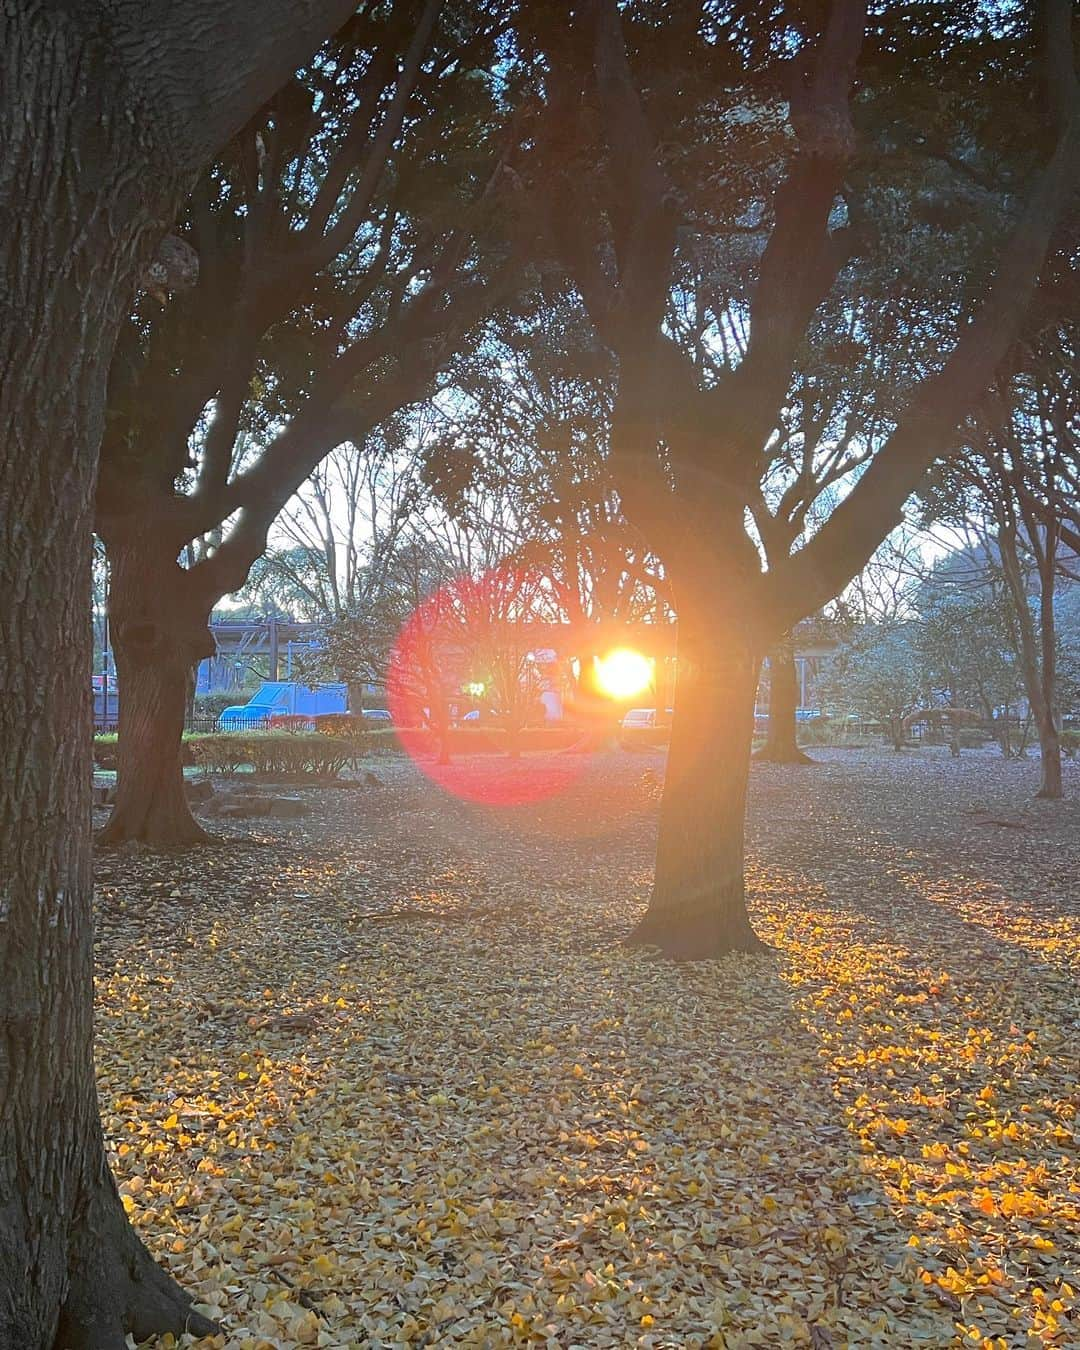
(1050, 785)
(72, 1272)
(781, 742)
(698, 905)
(1036, 653)
(99, 122)
(159, 619)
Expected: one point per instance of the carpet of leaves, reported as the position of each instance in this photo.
(384, 1076)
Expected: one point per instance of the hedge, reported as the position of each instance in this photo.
(277, 754)
(338, 743)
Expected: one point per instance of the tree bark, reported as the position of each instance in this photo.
(72, 1271)
(1036, 653)
(782, 742)
(88, 183)
(159, 619)
(698, 905)
(1051, 786)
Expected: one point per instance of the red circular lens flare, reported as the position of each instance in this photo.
(469, 644)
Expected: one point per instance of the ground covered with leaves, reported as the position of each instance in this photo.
(384, 1076)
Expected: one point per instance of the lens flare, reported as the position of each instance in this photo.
(623, 673)
(431, 681)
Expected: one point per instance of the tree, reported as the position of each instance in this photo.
(410, 654)
(525, 422)
(338, 268)
(1026, 470)
(690, 445)
(1014, 485)
(522, 445)
(885, 590)
(781, 739)
(962, 637)
(107, 113)
(335, 540)
(455, 609)
(487, 612)
(877, 674)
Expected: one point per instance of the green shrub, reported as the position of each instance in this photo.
(338, 743)
(838, 731)
(817, 731)
(277, 754)
(973, 738)
(341, 724)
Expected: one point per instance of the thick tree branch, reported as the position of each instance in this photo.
(847, 540)
(803, 255)
(204, 67)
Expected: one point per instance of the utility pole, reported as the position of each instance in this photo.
(273, 643)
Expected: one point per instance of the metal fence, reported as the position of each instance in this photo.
(200, 723)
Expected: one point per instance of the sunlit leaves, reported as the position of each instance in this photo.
(342, 1129)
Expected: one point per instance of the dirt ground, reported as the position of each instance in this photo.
(384, 1075)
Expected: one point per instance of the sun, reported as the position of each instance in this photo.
(623, 673)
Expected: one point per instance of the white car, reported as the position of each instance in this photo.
(640, 719)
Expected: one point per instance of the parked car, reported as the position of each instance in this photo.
(639, 730)
(277, 699)
(640, 719)
(376, 715)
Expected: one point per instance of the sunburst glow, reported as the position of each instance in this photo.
(623, 673)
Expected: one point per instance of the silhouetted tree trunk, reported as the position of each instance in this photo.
(68, 1258)
(781, 742)
(1037, 654)
(159, 621)
(99, 131)
(698, 906)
